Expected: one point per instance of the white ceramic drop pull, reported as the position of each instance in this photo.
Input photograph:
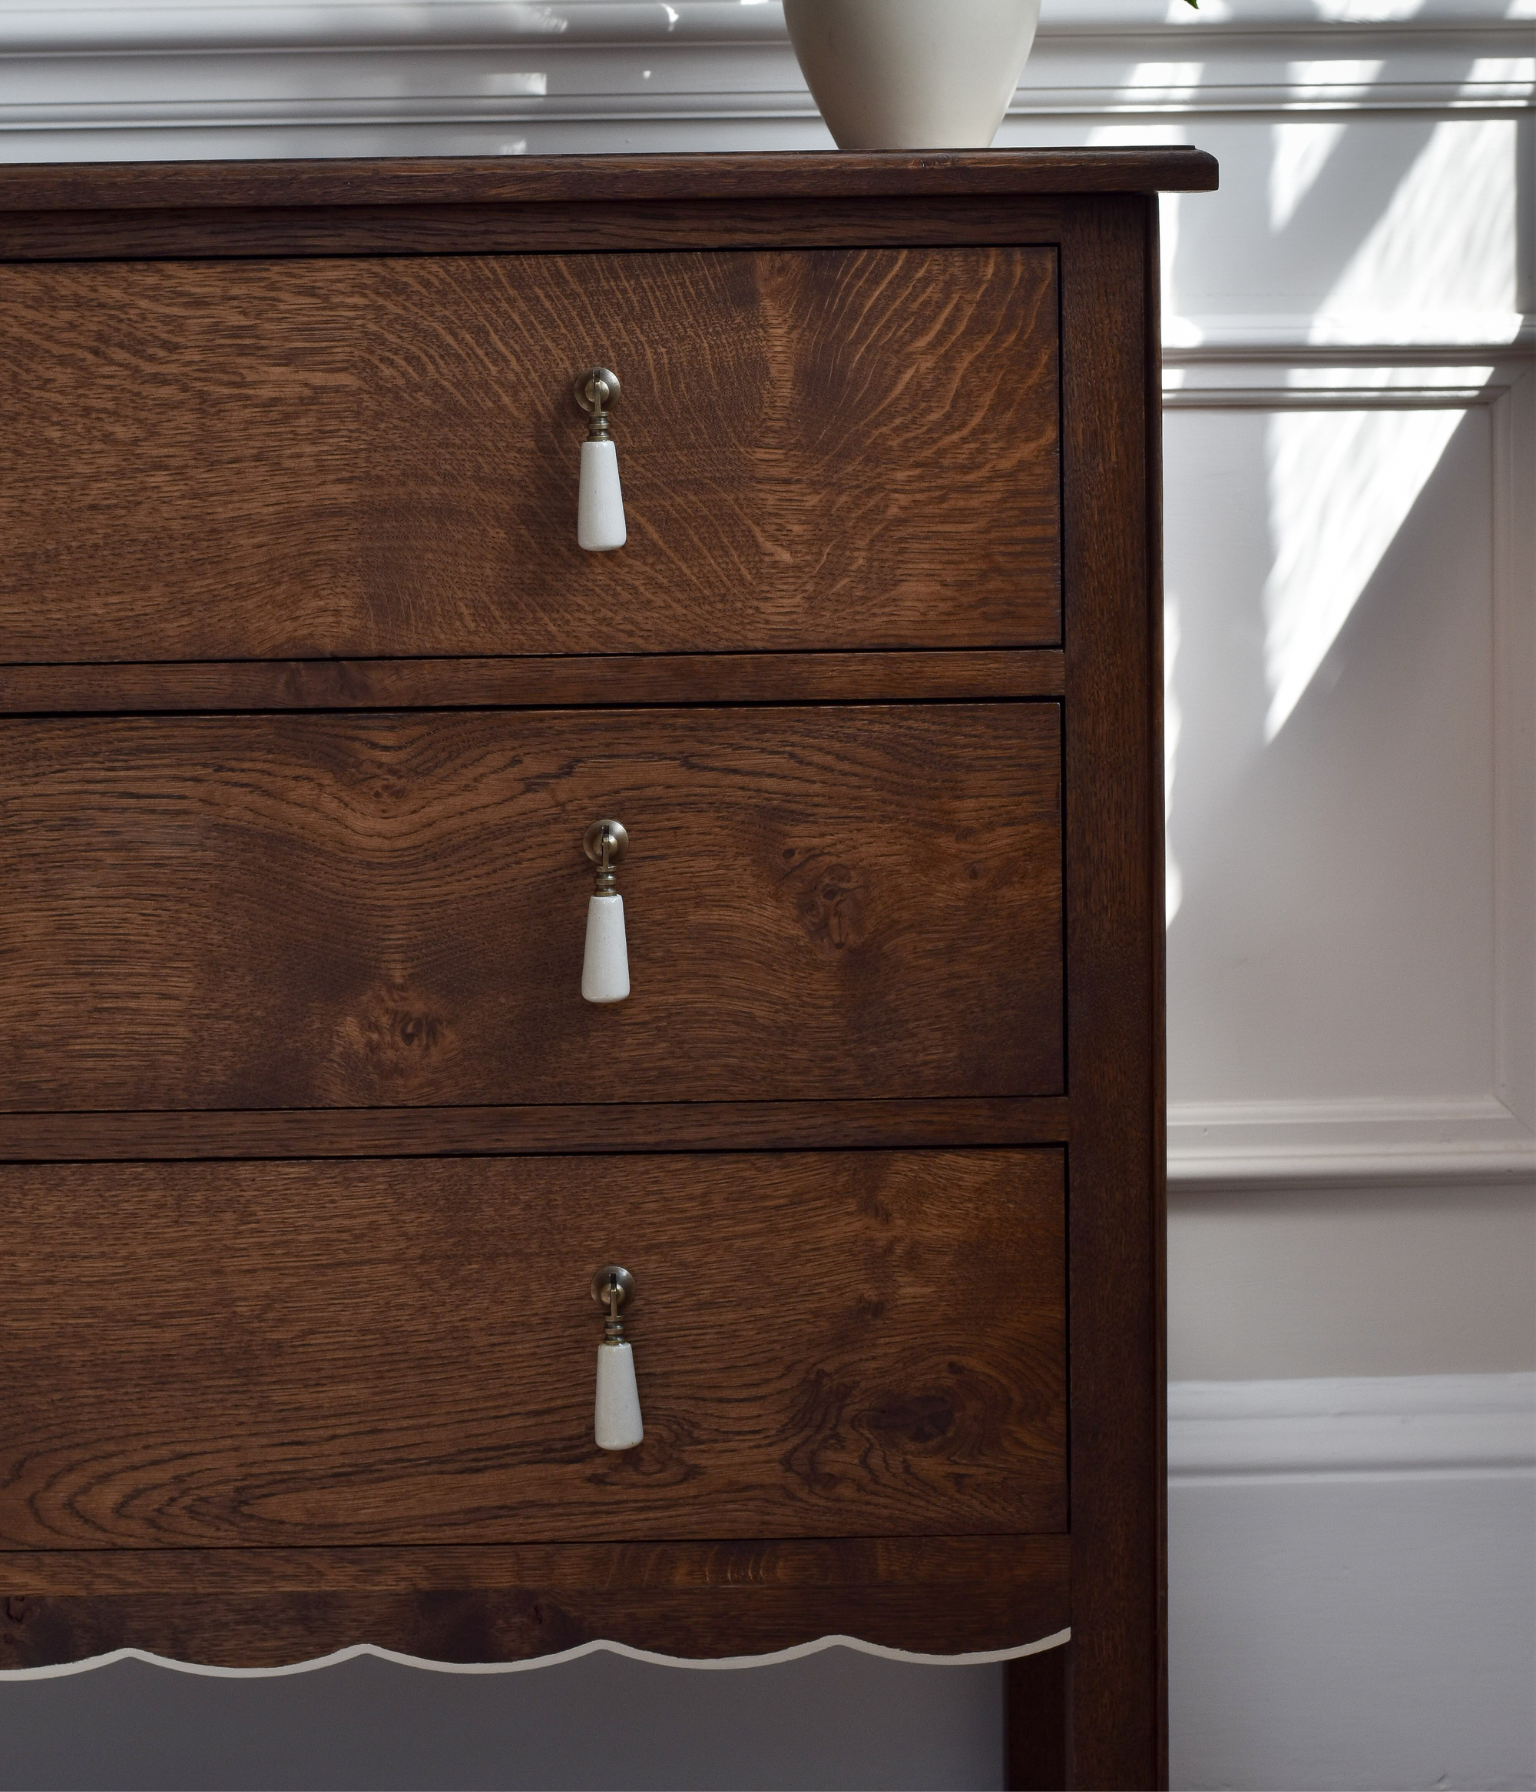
(605, 965)
(616, 1414)
(600, 503)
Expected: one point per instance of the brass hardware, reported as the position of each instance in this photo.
(604, 843)
(612, 1288)
(597, 388)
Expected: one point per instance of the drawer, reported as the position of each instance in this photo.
(828, 1344)
(313, 910)
(819, 448)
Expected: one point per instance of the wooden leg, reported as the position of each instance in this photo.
(1038, 1689)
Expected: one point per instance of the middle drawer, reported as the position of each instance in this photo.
(319, 910)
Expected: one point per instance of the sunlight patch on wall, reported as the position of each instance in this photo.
(1438, 265)
(1333, 83)
(1173, 724)
(1299, 154)
(1341, 484)
(1168, 221)
(1366, 12)
(1138, 135)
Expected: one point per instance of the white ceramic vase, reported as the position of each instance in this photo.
(912, 74)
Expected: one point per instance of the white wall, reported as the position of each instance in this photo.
(1352, 1587)
(1352, 735)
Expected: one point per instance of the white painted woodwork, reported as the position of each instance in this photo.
(1352, 1588)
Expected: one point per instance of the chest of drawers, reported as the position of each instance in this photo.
(309, 1145)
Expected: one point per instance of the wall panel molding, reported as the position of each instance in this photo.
(1351, 1582)
(1232, 1144)
(1321, 362)
(1401, 1424)
(1215, 365)
(343, 77)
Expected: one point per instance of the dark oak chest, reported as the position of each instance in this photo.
(307, 696)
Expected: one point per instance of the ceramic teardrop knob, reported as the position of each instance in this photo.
(600, 503)
(600, 523)
(616, 1419)
(605, 968)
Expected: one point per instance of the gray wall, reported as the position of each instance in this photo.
(838, 1719)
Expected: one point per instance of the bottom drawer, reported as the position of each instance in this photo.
(829, 1344)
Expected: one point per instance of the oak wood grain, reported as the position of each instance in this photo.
(1156, 1136)
(940, 1563)
(633, 679)
(1115, 1019)
(268, 1608)
(382, 820)
(586, 227)
(837, 1344)
(361, 911)
(819, 449)
(543, 205)
(1038, 1700)
(564, 179)
(610, 1126)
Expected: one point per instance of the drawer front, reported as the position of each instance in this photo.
(359, 457)
(827, 1344)
(310, 911)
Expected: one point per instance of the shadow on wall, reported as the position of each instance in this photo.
(839, 1719)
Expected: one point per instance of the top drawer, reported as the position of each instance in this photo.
(820, 449)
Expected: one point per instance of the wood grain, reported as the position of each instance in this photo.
(1156, 1136)
(819, 449)
(335, 921)
(140, 688)
(1114, 1012)
(592, 226)
(470, 1132)
(564, 179)
(544, 205)
(845, 1344)
(363, 911)
(267, 1608)
(1039, 1698)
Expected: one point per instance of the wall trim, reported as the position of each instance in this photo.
(1344, 362)
(1215, 364)
(1352, 1425)
(344, 77)
(1261, 1143)
(1350, 1581)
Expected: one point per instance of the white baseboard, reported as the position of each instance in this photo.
(1378, 1424)
(1268, 1142)
(1352, 1582)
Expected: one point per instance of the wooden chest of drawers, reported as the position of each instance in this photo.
(309, 1145)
